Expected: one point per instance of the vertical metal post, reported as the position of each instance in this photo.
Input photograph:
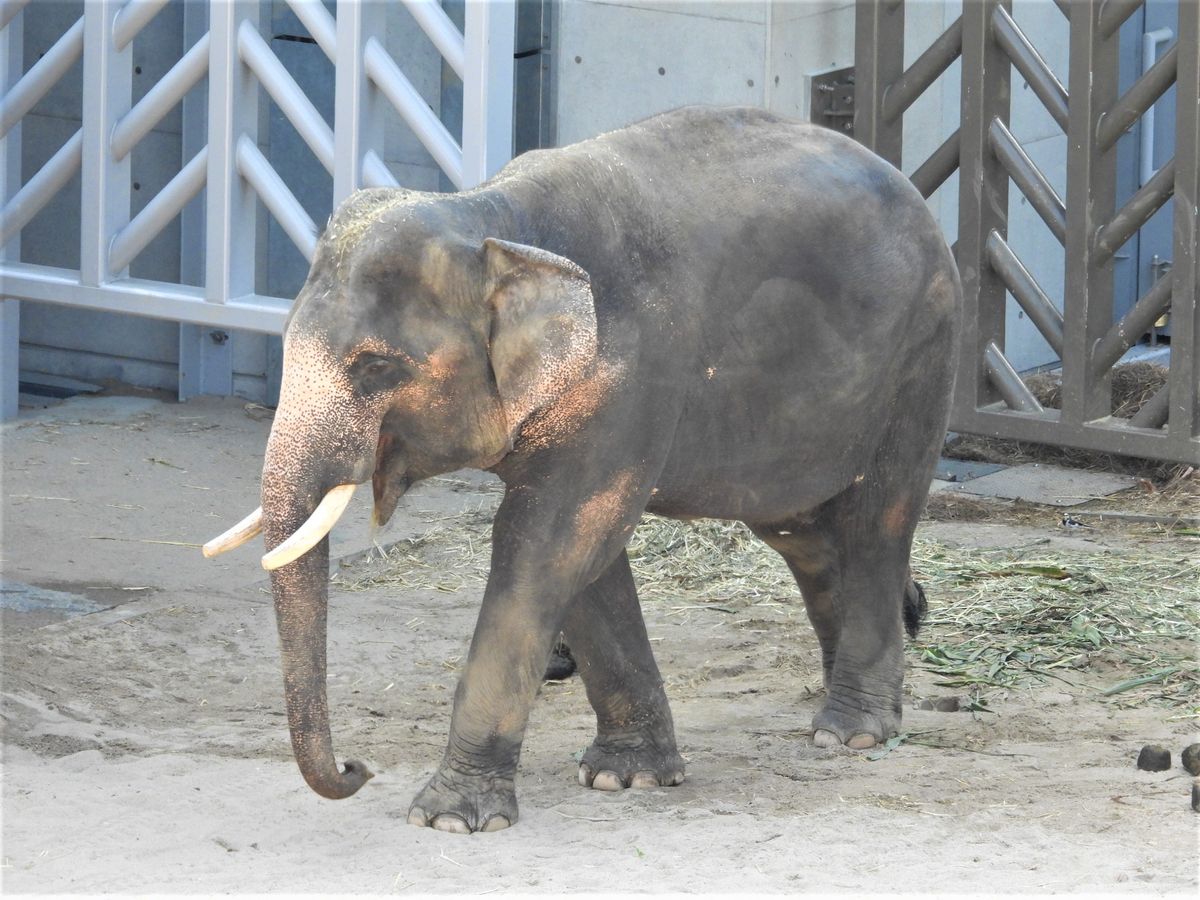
(107, 96)
(1184, 415)
(231, 209)
(195, 346)
(358, 121)
(487, 88)
(1091, 203)
(982, 205)
(878, 62)
(10, 180)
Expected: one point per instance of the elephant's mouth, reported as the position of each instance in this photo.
(389, 482)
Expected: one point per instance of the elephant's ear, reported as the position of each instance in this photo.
(543, 336)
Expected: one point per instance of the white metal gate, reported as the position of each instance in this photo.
(229, 167)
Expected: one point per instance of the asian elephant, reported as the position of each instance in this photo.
(712, 313)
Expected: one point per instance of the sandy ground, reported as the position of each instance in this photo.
(145, 748)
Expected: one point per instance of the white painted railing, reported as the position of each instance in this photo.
(239, 64)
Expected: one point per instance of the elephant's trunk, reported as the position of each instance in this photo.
(301, 591)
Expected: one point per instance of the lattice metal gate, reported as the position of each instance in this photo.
(990, 397)
(229, 167)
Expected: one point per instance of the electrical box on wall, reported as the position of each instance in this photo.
(832, 100)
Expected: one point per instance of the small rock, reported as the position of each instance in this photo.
(1190, 757)
(1154, 758)
(946, 704)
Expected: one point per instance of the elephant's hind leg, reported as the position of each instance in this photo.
(860, 599)
(635, 736)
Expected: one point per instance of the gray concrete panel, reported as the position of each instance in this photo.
(619, 64)
(52, 236)
(45, 21)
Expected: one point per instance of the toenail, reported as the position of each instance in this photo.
(644, 781)
(608, 781)
(861, 742)
(585, 776)
(450, 823)
(417, 817)
(823, 738)
(496, 823)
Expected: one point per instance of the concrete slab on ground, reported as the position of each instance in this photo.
(1050, 485)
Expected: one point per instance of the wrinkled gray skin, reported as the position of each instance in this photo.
(711, 313)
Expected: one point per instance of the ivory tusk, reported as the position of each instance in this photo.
(235, 536)
(308, 535)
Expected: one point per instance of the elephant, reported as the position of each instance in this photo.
(715, 312)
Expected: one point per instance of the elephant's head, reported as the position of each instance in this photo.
(413, 349)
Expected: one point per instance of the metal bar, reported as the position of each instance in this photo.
(982, 207)
(10, 353)
(140, 297)
(41, 188)
(1125, 333)
(1113, 14)
(941, 164)
(231, 211)
(489, 36)
(1109, 435)
(11, 44)
(135, 16)
(1032, 67)
(358, 117)
(41, 77)
(1125, 111)
(196, 347)
(399, 91)
(878, 62)
(376, 173)
(1064, 7)
(286, 93)
(275, 195)
(1029, 178)
(161, 99)
(1184, 377)
(107, 95)
(1091, 196)
(439, 29)
(320, 24)
(1026, 291)
(166, 205)
(1154, 411)
(937, 58)
(9, 10)
(1135, 213)
(1008, 382)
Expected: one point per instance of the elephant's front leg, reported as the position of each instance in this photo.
(539, 562)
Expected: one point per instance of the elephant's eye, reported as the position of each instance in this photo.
(377, 373)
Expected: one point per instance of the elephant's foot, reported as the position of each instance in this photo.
(841, 724)
(462, 804)
(617, 761)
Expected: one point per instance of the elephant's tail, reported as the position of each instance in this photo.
(915, 607)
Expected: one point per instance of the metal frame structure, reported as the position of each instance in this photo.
(990, 397)
(227, 164)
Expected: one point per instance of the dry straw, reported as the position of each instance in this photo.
(1121, 626)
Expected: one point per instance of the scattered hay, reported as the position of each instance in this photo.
(998, 618)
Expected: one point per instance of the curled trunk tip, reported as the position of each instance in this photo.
(342, 785)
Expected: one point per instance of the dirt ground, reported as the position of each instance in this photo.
(145, 747)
